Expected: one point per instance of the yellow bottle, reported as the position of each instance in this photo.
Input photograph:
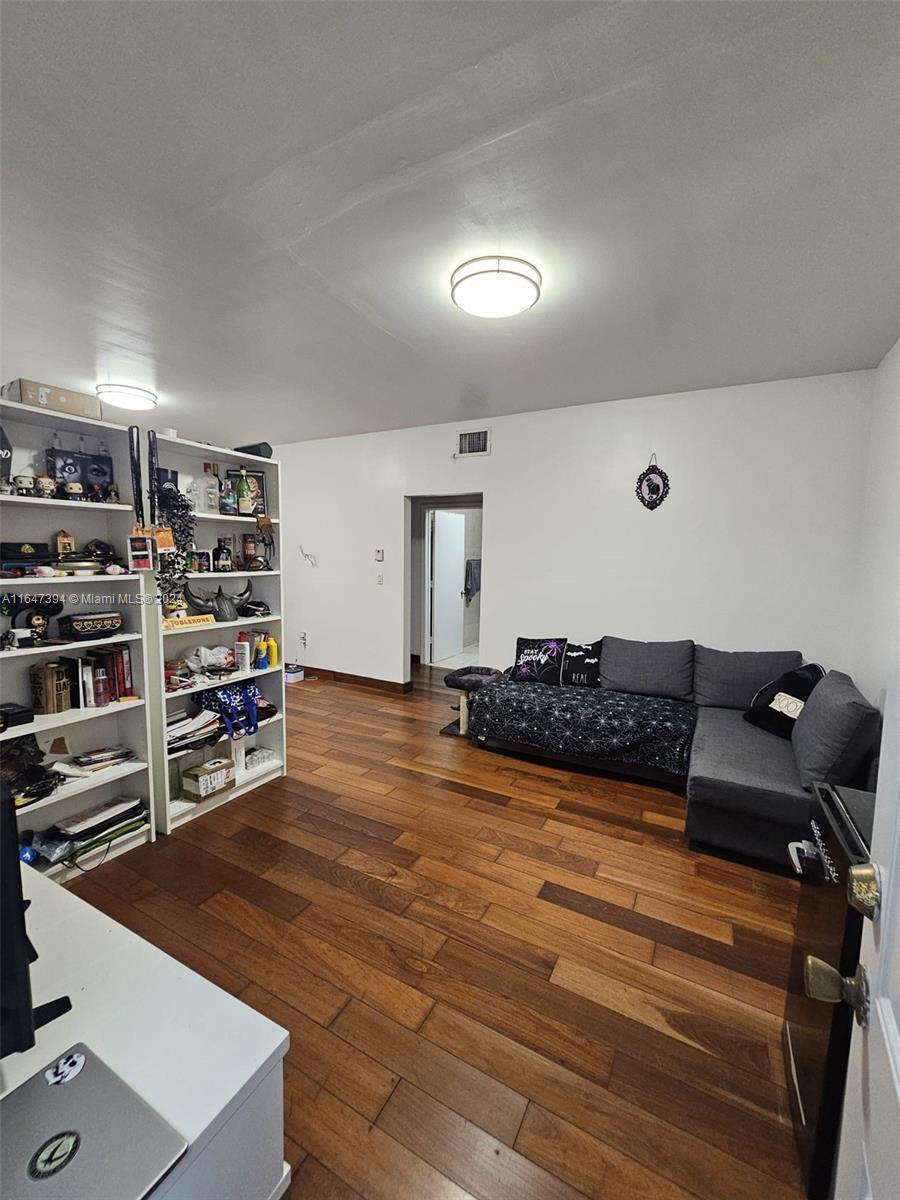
(272, 646)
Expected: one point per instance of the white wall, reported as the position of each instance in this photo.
(876, 615)
(754, 548)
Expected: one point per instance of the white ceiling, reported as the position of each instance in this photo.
(254, 208)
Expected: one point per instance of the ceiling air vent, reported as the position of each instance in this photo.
(472, 442)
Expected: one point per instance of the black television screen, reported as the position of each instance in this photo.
(18, 1018)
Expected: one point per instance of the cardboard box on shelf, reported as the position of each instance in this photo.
(208, 779)
(44, 395)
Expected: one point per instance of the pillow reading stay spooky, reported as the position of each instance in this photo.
(538, 660)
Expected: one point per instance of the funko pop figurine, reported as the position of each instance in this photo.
(74, 491)
(39, 626)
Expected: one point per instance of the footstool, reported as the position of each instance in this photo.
(467, 681)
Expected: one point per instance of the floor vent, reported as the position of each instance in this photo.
(472, 442)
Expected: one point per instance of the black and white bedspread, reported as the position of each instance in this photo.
(587, 723)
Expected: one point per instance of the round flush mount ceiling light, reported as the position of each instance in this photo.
(495, 287)
(125, 395)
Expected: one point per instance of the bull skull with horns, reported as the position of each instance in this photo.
(223, 608)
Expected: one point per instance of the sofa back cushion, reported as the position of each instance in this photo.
(731, 678)
(648, 668)
(581, 664)
(538, 660)
(835, 731)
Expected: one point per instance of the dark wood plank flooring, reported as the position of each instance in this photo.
(502, 980)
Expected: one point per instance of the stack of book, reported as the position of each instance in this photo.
(116, 662)
(185, 732)
(84, 765)
(69, 839)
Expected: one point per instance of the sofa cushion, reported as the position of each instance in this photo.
(835, 731)
(731, 678)
(581, 664)
(740, 768)
(538, 660)
(778, 704)
(648, 668)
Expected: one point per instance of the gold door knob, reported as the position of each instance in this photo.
(864, 890)
(824, 982)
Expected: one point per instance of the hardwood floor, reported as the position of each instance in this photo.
(502, 980)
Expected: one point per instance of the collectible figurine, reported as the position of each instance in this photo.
(39, 626)
(74, 491)
(45, 487)
(24, 485)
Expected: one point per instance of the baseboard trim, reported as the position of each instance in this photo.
(381, 685)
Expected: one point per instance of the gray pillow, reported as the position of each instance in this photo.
(834, 732)
(731, 678)
(647, 668)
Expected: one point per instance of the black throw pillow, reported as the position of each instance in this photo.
(777, 705)
(538, 660)
(581, 665)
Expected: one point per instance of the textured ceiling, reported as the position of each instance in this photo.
(254, 208)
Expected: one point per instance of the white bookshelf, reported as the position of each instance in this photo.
(187, 458)
(30, 518)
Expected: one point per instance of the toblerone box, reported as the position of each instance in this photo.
(209, 778)
(44, 395)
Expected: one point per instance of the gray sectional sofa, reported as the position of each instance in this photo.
(673, 712)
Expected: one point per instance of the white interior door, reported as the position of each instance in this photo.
(448, 578)
(869, 1158)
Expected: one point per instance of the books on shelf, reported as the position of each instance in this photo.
(70, 838)
(116, 661)
(91, 761)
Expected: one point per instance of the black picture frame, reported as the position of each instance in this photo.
(652, 486)
(258, 479)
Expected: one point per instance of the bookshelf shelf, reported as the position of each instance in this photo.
(77, 787)
(220, 517)
(233, 574)
(52, 648)
(62, 873)
(224, 682)
(224, 738)
(205, 453)
(72, 716)
(40, 502)
(243, 623)
(69, 582)
(252, 780)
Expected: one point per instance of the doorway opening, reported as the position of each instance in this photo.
(445, 580)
